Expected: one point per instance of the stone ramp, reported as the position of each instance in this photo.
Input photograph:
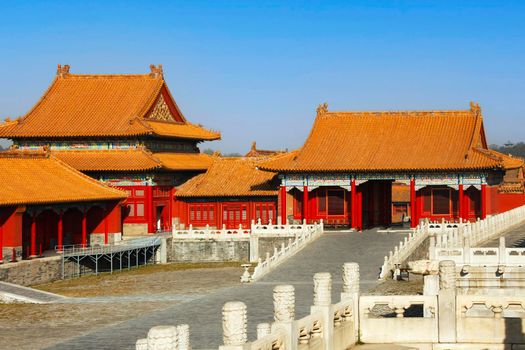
(514, 238)
(203, 314)
(15, 293)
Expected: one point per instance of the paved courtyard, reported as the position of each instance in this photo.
(203, 312)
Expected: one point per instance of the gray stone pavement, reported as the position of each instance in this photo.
(514, 238)
(203, 314)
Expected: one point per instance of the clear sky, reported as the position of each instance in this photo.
(256, 70)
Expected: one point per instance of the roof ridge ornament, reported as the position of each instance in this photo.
(322, 109)
(62, 71)
(475, 108)
(156, 71)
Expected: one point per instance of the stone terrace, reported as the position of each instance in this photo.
(203, 314)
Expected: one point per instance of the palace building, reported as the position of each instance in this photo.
(123, 130)
(232, 192)
(344, 172)
(45, 203)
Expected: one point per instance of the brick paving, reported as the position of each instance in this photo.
(203, 313)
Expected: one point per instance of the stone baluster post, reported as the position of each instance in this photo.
(447, 302)
(234, 326)
(284, 313)
(183, 337)
(351, 290)
(254, 246)
(432, 247)
(263, 329)
(323, 303)
(141, 344)
(502, 251)
(162, 338)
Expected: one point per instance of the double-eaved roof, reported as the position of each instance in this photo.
(78, 106)
(231, 177)
(393, 141)
(40, 178)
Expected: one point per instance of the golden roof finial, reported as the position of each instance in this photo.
(156, 71)
(322, 109)
(63, 70)
(254, 146)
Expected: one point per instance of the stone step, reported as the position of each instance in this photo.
(16, 293)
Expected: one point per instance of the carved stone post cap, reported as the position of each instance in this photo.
(234, 306)
(284, 303)
(284, 288)
(234, 321)
(183, 332)
(323, 276)
(447, 275)
(322, 289)
(351, 277)
(162, 337)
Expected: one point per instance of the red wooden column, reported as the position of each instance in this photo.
(413, 206)
(283, 205)
(461, 203)
(483, 201)
(305, 204)
(33, 237)
(1, 243)
(84, 229)
(353, 204)
(60, 231)
(359, 208)
(106, 227)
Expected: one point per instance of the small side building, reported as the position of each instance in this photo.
(230, 193)
(45, 203)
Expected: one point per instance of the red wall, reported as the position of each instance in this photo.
(229, 213)
(11, 222)
(508, 201)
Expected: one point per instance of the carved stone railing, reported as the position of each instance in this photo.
(452, 321)
(451, 235)
(402, 252)
(476, 233)
(479, 256)
(208, 233)
(243, 233)
(381, 329)
(287, 250)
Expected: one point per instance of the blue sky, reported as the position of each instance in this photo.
(256, 70)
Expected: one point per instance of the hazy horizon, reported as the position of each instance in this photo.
(256, 71)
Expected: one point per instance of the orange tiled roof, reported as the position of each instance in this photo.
(259, 153)
(508, 161)
(233, 177)
(392, 141)
(184, 161)
(184, 131)
(38, 178)
(77, 105)
(109, 160)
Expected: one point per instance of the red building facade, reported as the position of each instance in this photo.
(124, 130)
(46, 204)
(344, 172)
(231, 193)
